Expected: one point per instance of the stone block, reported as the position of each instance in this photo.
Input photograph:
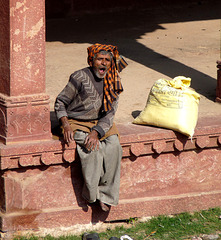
(24, 118)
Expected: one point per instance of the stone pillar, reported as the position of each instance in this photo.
(218, 88)
(24, 106)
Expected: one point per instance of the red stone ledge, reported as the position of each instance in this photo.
(136, 140)
(162, 172)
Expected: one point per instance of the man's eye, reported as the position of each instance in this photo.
(106, 59)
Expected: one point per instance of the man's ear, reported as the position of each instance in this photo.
(90, 64)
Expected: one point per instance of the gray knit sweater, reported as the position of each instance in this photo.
(82, 98)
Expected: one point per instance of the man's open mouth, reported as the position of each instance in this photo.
(102, 70)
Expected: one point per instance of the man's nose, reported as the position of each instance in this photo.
(104, 62)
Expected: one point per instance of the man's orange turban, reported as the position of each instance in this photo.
(112, 83)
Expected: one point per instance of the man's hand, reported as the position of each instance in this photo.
(68, 132)
(92, 141)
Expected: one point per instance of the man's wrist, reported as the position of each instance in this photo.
(99, 130)
(95, 132)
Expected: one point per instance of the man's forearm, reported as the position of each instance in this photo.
(64, 121)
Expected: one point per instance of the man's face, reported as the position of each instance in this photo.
(101, 64)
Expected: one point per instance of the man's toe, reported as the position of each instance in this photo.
(105, 207)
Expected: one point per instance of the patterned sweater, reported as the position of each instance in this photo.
(82, 98)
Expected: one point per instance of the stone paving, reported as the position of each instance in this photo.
(159, 42)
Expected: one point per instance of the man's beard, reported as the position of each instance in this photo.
(97, 73)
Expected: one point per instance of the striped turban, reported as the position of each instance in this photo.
(112, 83)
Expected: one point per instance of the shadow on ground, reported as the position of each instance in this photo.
(124, 27)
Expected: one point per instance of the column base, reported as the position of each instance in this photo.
(24, 118)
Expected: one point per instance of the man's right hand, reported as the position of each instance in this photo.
(68, 132)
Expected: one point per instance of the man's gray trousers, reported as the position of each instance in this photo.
(101, 169)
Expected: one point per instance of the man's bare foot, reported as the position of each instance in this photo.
(105, 207)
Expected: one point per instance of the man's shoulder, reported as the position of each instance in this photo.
(81, 73)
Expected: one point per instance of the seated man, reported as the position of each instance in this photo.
(86, 109)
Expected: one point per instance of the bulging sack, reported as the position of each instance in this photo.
(171, 104)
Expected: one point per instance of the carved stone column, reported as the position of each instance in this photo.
(24, 106)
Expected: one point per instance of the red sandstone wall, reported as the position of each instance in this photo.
(4, 48)
(50, 196)
(163, 172)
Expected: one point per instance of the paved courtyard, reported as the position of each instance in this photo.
(159, 42)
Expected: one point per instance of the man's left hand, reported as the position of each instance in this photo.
(92, 141)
